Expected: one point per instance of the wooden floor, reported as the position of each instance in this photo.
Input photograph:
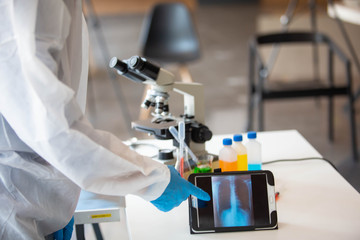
(112, 7)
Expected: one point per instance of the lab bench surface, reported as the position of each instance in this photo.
(315, 201)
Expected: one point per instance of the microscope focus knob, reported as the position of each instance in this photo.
(201, 133)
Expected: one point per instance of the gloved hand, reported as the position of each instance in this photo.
(177, 191)
(66, 232)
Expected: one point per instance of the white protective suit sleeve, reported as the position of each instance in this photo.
(44, 112)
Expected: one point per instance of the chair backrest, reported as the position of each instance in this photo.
(289, 37)
(297, 37)
(169, 34)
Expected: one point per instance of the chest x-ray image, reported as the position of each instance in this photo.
(232, 196)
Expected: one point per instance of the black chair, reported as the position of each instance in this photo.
(262, 89)
(169, 36)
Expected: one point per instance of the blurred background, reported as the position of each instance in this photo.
(224, 28)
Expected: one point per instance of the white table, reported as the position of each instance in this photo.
(315, 202)
(94, 209)
(347, 13)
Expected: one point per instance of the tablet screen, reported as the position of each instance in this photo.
(236, 201)
(232, 199)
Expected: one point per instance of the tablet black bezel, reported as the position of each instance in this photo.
(193, 212)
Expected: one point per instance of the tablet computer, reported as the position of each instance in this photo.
(240, 201)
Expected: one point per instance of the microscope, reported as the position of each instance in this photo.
(162, 82)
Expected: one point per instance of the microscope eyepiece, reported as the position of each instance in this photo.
(135, 62)
(124, 70)
(118, 65)
(144, 67)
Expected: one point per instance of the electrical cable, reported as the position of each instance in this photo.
(300, 159)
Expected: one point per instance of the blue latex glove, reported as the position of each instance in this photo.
(66, 232)
(177, 191)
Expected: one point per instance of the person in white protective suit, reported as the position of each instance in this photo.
(48, 149)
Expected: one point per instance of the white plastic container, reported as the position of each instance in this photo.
(242, 162)
(227, 156)
(253, 148)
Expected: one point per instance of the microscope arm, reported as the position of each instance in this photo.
(193, 99)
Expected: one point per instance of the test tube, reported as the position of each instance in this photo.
(181, 135)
